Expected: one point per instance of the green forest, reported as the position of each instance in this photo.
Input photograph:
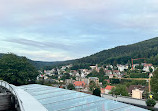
(119, 55)
(122, 54)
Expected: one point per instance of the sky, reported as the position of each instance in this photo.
(58, 30)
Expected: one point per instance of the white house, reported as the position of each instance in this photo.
(93, 67)
(147, 67)
(121, 68)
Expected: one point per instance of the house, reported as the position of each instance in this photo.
(95, 79)
(73, 72)
(69, 81)
(116, 72)
(63, 68)
(79, 84)
(93, 67)
(44, 77)
(150, 75)
(83, 75)
(121, 68)
(85, 71)
(97, 68)
(147, 67)
(108, 72)
(136, 91)
(109, 66)
(108, 88)
(111, 76)
(119, 76)
(134, 65)
(69, 66)
(86, 80)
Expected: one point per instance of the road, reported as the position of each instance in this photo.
(129, 100)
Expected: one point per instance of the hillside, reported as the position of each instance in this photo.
(123, 54)
(43, 64)
(119, 55)
(38, 64)
(48, 65)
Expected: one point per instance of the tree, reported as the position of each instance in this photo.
(70, 87)
(150, 69)
(114, 81)
(101, 72)
(109, 68)
(154, 84)
(115, 63)
(97, 92)
(139, 66)
(119, 90)
(150, 102)
(100, 75)
(104, 83)
(92, 86)
(139, 75)
(17, 70)
(65, 76)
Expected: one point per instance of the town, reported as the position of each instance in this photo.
(130, 79)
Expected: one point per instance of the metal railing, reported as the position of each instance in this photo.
(13, 91)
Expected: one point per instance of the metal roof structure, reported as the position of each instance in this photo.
(47, 98)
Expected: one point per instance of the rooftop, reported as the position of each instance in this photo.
(79, 83)
(108, 87)
(35, 97)
(57, 99)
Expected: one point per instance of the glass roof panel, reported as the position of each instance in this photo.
(62, 97)
(54, 94)
(57, 99)
(71, 102)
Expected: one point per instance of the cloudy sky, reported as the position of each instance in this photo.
(54, 30)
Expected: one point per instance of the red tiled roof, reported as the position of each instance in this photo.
(149, 65)
(109, 87)
(116, 71)
(79, 83)
(108, 70)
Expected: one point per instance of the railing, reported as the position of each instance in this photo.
(13, 91)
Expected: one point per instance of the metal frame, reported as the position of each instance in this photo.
(11, 89)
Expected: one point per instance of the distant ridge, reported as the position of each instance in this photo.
(42, 64)
(120, 55)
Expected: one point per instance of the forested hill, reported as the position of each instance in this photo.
(38, 64)
(49, 65)
(123, 54)
(119, 55)
(45, 65)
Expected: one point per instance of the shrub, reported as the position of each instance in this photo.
(71, 87)
(151, 102)
(97, 92)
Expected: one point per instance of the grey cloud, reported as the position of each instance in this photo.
(39, 44)
(57, 24)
